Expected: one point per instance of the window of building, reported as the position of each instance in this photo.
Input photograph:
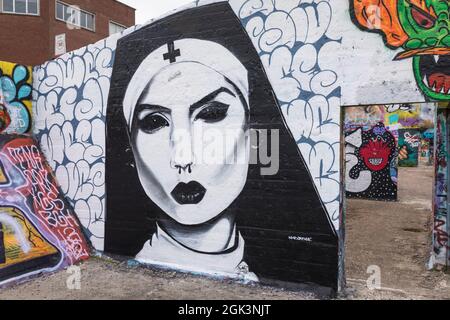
(75, 16)
(115, 28)
(30, 7)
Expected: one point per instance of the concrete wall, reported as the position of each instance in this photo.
(306, 61)
(441, 240)
(71, 115)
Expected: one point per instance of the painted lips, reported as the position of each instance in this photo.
(188, 193)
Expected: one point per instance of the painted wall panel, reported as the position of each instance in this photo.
(69, 110)
(441, 242)
(371, 163)
(408, 145)
(414, 65)
(316, 56)
(15, 98)
(39, 232)
(189, 213)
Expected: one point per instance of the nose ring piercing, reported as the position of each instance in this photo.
(180, 168)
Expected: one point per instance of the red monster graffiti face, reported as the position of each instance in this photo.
(375, 155)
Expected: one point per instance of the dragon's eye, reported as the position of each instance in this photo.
(422, 18)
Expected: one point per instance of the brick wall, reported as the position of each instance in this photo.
(30, 40)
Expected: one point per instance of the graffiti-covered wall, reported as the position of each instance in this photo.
(39, 231)
(243, 87)
(256, 68)
(417, 39)
(371, 163)
(15, 98)
(405, 122)
(441, 240)
(408, 145)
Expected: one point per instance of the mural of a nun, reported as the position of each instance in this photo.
(193, 72)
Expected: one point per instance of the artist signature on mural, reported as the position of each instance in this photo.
(297, 238)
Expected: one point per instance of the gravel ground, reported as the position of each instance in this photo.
(107, 279)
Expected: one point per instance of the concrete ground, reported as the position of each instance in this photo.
(108, 279)
(394, 236)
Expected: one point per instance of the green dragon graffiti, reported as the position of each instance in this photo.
(421, 28)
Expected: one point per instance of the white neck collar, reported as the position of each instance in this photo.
(165, 251)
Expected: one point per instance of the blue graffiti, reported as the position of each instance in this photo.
(16, 91)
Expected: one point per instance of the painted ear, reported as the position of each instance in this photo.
(380, 16)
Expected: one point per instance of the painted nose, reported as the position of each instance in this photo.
(182, 157)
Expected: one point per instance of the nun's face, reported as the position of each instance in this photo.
(190, 142)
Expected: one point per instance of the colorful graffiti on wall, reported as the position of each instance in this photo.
(70, 110)
(408, 145)
(441, 240)
(421, 28)
(394, 116)
(371, 164)
(405, 116)
(15, 98)
(39, 232)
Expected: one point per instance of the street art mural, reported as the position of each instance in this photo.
(441, 240)
(394, 116)
(71, 110)
(406, 116)
(421, 29)
(189, 212)
(296, 48)
(408, 145)
(15, 98)
(72, 92)
(427, 147)
(364, 116)
(39, 232)
(371, 164)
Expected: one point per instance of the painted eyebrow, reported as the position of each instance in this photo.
(208, 98)
(152, 107)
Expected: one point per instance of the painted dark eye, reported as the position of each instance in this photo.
(213, 112)
(152, 123)
(422, 19)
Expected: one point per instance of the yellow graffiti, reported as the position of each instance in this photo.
(22, 242)
(407, 119)
(3, 178)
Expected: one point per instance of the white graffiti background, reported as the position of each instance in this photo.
(296, 45)
(70, 99)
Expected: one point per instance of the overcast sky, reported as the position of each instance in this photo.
(147, 9)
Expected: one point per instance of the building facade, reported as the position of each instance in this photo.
(34, 31)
